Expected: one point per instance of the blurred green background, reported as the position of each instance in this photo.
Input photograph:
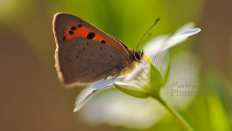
(31, 96)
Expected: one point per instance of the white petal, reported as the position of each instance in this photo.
(155, 45)
(187, 26)
(180, 37)
(158, 60)
(138, 78)
(158, 44)
(90, 91)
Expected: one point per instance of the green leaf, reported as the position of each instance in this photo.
(156, 81)
(132, 92)
(166, 67)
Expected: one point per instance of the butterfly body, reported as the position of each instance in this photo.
(85, 54)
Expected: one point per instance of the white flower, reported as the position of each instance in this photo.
(116, 108)
(113, 107)
(137, 82)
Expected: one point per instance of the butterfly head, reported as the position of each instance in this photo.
(137, 56)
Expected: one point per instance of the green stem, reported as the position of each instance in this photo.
(175, 114)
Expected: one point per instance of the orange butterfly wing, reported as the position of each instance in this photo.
(81, 28)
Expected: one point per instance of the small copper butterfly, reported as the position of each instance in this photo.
(85, 54)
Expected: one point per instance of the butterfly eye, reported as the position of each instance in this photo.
(137, 56)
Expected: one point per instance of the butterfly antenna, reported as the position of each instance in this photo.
(140, 42)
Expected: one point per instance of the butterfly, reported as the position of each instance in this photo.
(85, 54)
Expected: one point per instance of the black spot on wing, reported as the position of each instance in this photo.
(73, 28)
(71, 32)
(79, 25)
(91, 35)
(103, 42)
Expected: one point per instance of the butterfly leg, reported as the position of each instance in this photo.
(119, 73)
(116, 75)
(106, 77)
